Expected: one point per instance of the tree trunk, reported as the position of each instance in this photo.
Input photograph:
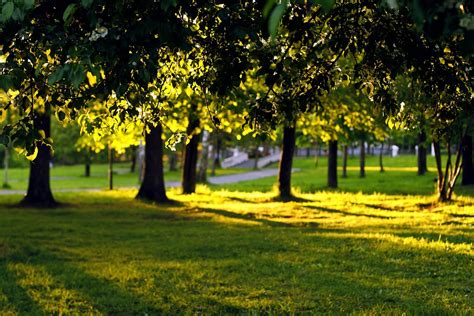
(422, 151)
(286, 163)
(308, 152)
(332, 164)
(188, 182)
(467, 172)
(381, 158)
(111, 167)
(257, 154)
(344, 161)
(152, 187)
(216, 163)
(87, 166)
(202, 173)
(316, 157)
(173, 161)
(362, 159)
(133, 157)
(39, 189)
(6, 160)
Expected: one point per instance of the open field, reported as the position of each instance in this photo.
(224, 252)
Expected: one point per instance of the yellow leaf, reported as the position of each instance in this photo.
(33, 155)
(91, 78)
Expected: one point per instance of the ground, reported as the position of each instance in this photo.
(225, 251)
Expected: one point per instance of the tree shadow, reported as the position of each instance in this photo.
(331, 210)
(16, 295)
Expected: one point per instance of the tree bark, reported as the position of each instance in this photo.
(467, 169)
(332, 164)
(188, 182)
(202, 172)
(441, 187)
(39, 189)
(257, 154)
(216, 163)
(111, 167)
(362, 158)
(422, 151)
(344, 161)
(286, 163)
(133, 157)
(152, 187)
(6, 160)
(381, 158)
(173, 161)
(87, 165)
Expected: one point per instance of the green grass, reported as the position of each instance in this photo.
(71, 177)
(400, 177)
(221, 251)
(229, 252)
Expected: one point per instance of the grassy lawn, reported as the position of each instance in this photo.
(231, 252)
(379, 245)
(400, 177)
(71, 177)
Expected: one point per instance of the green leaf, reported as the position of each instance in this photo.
(68, 13)
(166, 4)
(29, 4)
(326, 4)
(56, 76)
(275, 18)
(86, 3)
(7, 10)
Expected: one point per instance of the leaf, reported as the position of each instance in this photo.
(91, 79)
(86, 3)
(68, 13)
(56, 76)
(275, 18)
(31, 156)
(28, 4)
(326, 4)
(7, 10)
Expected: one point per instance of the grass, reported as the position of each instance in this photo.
(72, 177)
(400, 177)
(232, 252)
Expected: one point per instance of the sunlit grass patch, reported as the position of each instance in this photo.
(233, 252)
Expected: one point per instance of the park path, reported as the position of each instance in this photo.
(226, 179)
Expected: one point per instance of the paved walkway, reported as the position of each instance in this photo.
(232, 178)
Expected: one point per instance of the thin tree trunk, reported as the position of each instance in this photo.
(172, 161)
(39, 189)
(352, 150)
(381, 158)
(87, 166)
(188, 182)
(111, 167)
(316, 157)
(286, 163)
(422, 151)
(441, 187)
(308, 152)
(332, 164)
(202, 173)
(133, 157)
(362, 158)
(467, 172)
(257, 154)
(6, 160)
(216, 163)
(344, 160)
(152, 187)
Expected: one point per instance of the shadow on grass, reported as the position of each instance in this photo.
(331, 210)
(16, 295)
